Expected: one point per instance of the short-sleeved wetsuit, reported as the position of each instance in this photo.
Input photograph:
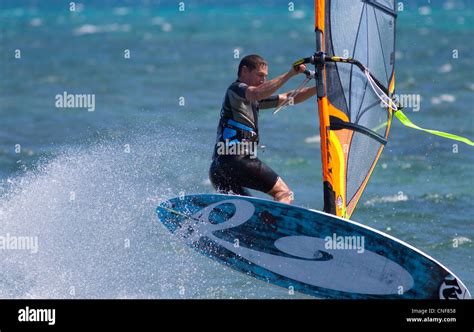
(232, 173)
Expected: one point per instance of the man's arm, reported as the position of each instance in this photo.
(304, 94)
(255, 93)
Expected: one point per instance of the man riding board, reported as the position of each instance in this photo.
(237, 132)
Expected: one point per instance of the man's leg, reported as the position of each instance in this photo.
(225, 183)
(245, 172)
(281, 192)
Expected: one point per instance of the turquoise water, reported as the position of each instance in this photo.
(86, 183)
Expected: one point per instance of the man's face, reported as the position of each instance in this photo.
(254, 77)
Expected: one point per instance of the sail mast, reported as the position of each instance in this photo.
(324, 120)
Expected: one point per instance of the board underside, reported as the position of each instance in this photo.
(305, 250)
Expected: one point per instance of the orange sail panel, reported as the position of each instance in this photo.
(354, 125)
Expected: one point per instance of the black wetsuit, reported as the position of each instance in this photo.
(231, 172)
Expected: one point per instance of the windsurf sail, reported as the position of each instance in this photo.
(354, 123)
(355, 82)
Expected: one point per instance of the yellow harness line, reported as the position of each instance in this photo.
(407, 122)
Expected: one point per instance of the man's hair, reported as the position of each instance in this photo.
(252, 62)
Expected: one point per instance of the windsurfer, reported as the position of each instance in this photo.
(233, 171)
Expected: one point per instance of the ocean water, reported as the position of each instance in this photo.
(85, 183)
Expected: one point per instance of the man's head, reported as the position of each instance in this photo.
(253, 70)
